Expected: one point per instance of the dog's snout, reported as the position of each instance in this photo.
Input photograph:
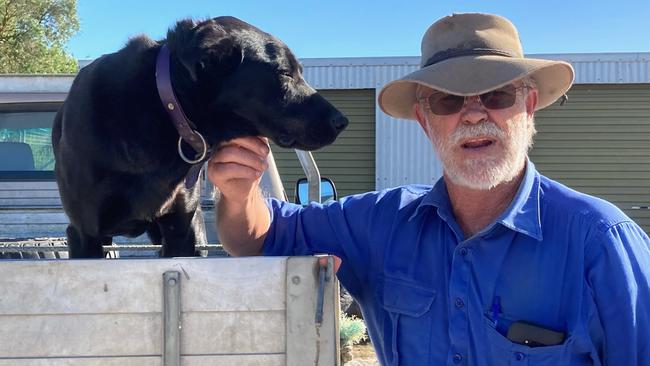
(340, 122)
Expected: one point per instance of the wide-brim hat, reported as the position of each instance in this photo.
(470, 54)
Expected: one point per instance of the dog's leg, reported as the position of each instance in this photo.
(82, 245)
(154, 234)
(198, 229)
(181, 232)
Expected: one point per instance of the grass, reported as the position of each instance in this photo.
(352, 330)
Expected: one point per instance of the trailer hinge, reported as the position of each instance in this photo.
(323, 276)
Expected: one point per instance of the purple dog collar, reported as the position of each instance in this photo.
(186, 129)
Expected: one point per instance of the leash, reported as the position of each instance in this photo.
(186, 129)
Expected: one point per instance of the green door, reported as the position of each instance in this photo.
(599, 143)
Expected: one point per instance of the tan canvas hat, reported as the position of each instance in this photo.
(469, 54)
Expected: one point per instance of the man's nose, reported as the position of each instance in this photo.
(473, 110)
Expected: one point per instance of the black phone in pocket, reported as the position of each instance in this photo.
(533, 336)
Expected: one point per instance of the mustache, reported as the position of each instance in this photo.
(487, 129)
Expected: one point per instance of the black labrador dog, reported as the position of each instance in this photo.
(122, 157)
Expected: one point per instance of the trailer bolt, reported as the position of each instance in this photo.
(171, 281)
(295, 280)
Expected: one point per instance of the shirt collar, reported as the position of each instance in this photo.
(436, 197)
(522, 215)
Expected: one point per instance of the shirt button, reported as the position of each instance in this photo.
(463, 251)
(520, 356)
(458, 358)
(459, 303)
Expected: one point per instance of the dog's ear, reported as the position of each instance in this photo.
(206, 50)
(179, 41)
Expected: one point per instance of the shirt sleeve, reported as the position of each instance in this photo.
(618, 272)
(344, 228)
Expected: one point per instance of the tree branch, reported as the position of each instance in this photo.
(10, 12)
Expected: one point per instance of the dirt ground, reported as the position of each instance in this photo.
(363, 355)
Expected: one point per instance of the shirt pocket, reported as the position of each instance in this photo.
(504, 352)
(408, 321)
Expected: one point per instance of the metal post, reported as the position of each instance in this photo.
(271, 182)
(171, 318)
(313, 175)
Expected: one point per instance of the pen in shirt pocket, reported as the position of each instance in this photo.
(496, 310)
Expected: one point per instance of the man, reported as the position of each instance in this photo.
(495, 264)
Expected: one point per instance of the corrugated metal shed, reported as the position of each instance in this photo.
(599, 143)
(403, 153)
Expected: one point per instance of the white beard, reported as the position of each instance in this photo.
(486, 172)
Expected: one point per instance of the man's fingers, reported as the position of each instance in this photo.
(230, 171)
(233, 153)
(257, 144)
(237, 164)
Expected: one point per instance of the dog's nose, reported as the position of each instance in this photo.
(340, 122)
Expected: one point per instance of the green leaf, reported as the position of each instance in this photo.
(33, 34)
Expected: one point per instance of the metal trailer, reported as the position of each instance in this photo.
(169, 312)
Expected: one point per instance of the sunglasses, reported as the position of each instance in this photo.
(444, 104)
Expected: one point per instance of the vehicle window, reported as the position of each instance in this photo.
(26, 145)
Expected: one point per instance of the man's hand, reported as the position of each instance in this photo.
(242, 216)
(237, 167)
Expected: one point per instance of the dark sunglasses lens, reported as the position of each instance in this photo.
(445, 104)
(500, 98)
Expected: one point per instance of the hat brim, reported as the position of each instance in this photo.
(472, 75)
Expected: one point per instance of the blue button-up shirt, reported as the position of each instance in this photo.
(555, 258)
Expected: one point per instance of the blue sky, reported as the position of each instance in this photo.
(362, 28)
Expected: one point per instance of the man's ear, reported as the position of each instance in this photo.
(531, 101)
(204, 49)
(421, 118)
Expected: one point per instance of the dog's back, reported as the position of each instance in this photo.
(117, 163)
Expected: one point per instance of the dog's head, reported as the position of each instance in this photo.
(247, 82)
